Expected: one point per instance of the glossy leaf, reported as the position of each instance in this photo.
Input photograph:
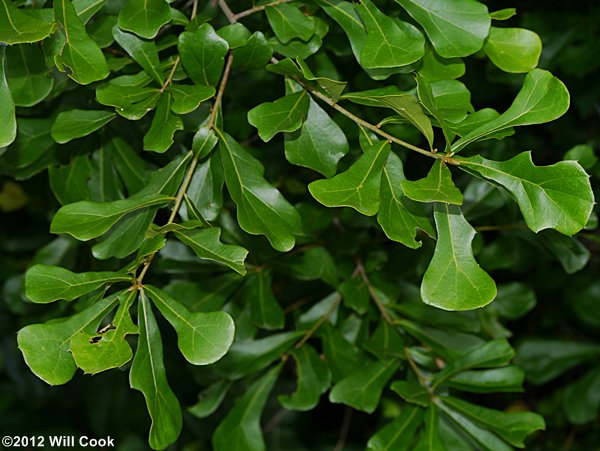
(542, 98)
(45, 283)
(210, 399)
(506, 379)
(261, 209)
(557, 196)
(148, 375)
(454, 27)
(412, 392)
(8, 131)
(45, 347)
(358, 187)
(18, 25)
(330, 87)
(80, 53)
(143, 52)
(203, 338)
(513, 49)
(288, 22)
(74, 124)
(205, 191)
(186, 98)
(389, 42)
(313, 378)
(203, 54)
(28, 76)
(106, 348)
(265, 310)
(283, 115)
(454, 280)
(319, 144)
(582, 398)
(255, 54)
(363, 389)
(431, 439)
(397, 435)
(206, 244)
(436, 187)
(241, 427)
(164, 125)
(144, 17)
(85, 220)
(398, 216)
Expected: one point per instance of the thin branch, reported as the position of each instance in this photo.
(491, 228)
(227, 11)
(171, 74)
(422, 379)
(360, 271)
(319, 323)
(341, 443)
(256, 9)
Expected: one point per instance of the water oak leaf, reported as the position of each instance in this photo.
(8, 131)
(542, 98)
(203, 338)
(313, 377)
(389, 42)
(265, 311)
(358, 187)
(283, 115)
(186, 98)
(45, 347)
(107, 348)
(513, 49)
(397, 435)
(74, 124)
(165, 123)
(319, 144)
(362, 389)
(436, 187)
(28, 76)
(454, 27)
(143, 52)
(17, 25)
(206, 244)
(557, 197)
(86, 220)
(203, 54)
(240, 429)
(148, 375)
(80, 53)
(44, 283)
(261, 209)
(145, 17)
(288, 22)
(210, 399)
(399, 217)
(454, 280)
(255, 54)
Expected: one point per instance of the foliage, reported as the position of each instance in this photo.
(297, 190)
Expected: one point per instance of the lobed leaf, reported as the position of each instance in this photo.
(436, 187)
(283, 115)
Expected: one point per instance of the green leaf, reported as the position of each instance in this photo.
(362, 389)
(399, 217)
(385, 342)
(288, 22)
(397, 435)
(240, 429)
(506, 379)
(283, 115)
(355, 293)
(69, 182)
(203, 338)
(210, 399)
(313, 263)
(454, 280)
(87, 8)
(513, 49)
(434, 67)
(203, 54)
(256, 54)
(344, 358)
(319, 144)
(265, 310)
(542, 98)
(8, 131)
(389, 42)
(204, 142)
(236, 35)
(436, 187)
(412, 392)
(205, 191)
(512, 427)
(107, 348)
(148, 375)
(74, 124)
(261, 209)
(550, 197)
(431, 438)
(28, 76)
(358, 187)
(143, 52)
(45, 283)
(206, 244)
(581, 399)
(503, 14)
(45, 347)
(145, 17)
(330, 87)
(132, 169)
(454, 27)
(402, 103)
(582, 153)
(19, 25)
(86, 220)
(186, 98)
(164, 125)
(313, 380)
(80, 53)
(544, 360)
